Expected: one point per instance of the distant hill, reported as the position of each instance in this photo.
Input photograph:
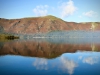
(44, 25)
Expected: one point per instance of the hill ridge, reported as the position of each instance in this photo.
(44, 24)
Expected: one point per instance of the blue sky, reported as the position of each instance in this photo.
(68, 10)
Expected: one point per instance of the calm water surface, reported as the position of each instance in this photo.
(66, 56)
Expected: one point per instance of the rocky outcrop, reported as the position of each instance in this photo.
(44, 24)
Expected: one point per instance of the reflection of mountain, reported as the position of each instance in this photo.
(43, 49)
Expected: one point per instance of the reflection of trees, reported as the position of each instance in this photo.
(93, 47)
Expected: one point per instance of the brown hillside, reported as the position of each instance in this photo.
(44, 24)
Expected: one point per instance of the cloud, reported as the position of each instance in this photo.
(90, 14)
(67, 8)
(90, 60)
(68, 64)
(41, 10)
(80, 57)
(41, 63)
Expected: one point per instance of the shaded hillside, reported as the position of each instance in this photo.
(43, 25)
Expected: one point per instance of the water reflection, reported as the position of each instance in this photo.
(49, 56)
(93, 47)
(90, 60)
(44, 48)
(68, 65)
(41, 64)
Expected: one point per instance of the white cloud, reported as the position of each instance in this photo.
(90, 60)
(90, 14)
(80, 57)
(68, 65)
(67, 8)
(41, 10)
(41, 64)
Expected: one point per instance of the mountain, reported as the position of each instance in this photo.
(44, 25)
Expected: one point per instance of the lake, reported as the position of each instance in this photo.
(50, 56)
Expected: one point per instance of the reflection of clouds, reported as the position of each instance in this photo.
(90, 60)
(40, 63)
(80, 57)
(68, 64)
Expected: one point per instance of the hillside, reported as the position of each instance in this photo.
(43, 25)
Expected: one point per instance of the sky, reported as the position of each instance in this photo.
(68, 10)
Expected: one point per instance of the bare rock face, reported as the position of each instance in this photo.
(44, 24)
